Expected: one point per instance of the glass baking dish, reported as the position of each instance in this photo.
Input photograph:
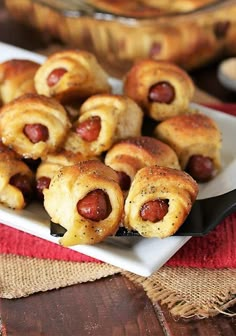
(189, 32)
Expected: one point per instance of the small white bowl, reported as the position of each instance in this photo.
(227, 73)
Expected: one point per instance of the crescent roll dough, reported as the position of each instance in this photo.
(161, 88)
(192, 134)
(33, 125)
(129, 155)
(51, 164)
(16, 182)
(86, 200)
(117, 117)
(153, 186)
(71, 74)
(16, 79)
(56, 160)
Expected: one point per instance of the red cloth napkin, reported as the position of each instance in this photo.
(215, 250)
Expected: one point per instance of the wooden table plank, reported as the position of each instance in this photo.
(112, 306)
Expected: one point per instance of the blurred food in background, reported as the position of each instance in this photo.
(190, 33)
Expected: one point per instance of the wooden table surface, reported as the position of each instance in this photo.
(113, 306)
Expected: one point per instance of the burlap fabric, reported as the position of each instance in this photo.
(187, 292)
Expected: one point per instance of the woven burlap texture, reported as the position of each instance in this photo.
(186, 291)
(191, 292)
(22, 276)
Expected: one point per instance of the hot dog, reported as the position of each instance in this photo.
(89, 129)
(124, 180)
(154, 211)
(42, 183)
(95, 205)
(200, 167)
(36, 132)
(162, 92)
(55, 75)
(24, 184)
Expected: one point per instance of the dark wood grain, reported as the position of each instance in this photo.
(112, 306)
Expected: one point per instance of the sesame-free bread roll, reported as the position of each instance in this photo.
(159, 200)
(129, 155)
(85, 199)
(196, 139)
(51, 164)
(16, 78)
(71, 74)
(104, 119)
(33, 125)
(162, 89)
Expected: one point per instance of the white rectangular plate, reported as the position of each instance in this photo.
(136, 254)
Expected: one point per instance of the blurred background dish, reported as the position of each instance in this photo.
(227, 73)
(190, 33)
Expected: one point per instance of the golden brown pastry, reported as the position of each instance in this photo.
(129, 155)
(161, 88)
(16, 181)
(177, 6)
(160, 44)
(33, 125)
(159, 200)
(86, 199)
(197, 45)
(16, 78)
(148, 8)
(71, 74)
(104, 119)
(51, 164)
(197, 141)
(127, 8)
(222, 25)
